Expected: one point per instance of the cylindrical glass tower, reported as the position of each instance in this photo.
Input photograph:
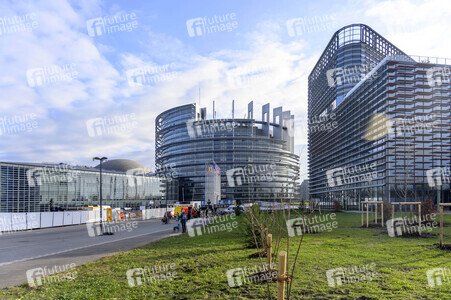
(255, 158)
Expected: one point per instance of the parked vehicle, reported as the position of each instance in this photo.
(178, 209)
(231, 209)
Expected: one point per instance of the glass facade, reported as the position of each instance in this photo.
(38, 187)
(392, 122)
(186, 141)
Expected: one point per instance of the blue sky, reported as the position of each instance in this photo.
(57, 80)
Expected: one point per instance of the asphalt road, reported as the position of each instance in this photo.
(25, 250)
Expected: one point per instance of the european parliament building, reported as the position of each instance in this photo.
(390, 113)
(255, 159)
(31, 187)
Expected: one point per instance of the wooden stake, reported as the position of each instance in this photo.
(419, 216)
(375, 219)
(268, 249)
(382, 213)
(393, 212)
(282, 276)
(362, 212)
(371, 210)
(367, 216)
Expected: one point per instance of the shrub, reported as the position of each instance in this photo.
(388, 210)
(428, 208)
(237, 210)
(301, 206)
(255, 222)
(337, 206)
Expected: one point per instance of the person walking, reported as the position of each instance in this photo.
(183, 221)
(190, 213)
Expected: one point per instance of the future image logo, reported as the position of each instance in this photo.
(168, 172)
(438, 75)
(438, 276)
(51, 74)
(350, 74)
(54, 174)
(111, 125)
(137, 176)
(209, 25)
(18, 24)
(199, 128)
(254, 274)
(438, 176)
(348, 175)
(250, 174)
(151, 75)
(248, 75)
(12, 125)
(197, 227)
(94, 229)
(307, 25)
(400, 226)
(353, 274)
(39, 276)
(113, 24)
(151, 275)
(235, 277)
(321, 123)
(394, 227)
(311, 224)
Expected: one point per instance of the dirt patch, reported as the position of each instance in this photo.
(257, 255)
(414, 235)
(371, 225)
(265, 276)
(407, 235)
(445, 247)
(425, 223)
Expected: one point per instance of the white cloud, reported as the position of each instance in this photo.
(270, 68)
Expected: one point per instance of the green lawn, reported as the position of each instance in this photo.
(201, 263)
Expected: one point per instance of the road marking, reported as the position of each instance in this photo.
(78, 248)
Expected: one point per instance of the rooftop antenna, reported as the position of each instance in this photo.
(214, 113)
(199, 94)
(233, 109)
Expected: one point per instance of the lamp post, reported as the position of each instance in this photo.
(101, 209)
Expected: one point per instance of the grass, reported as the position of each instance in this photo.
(201, 263)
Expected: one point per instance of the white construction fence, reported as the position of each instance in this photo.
(10, 222)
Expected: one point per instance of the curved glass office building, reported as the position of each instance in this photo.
(254, 159)
(391, 117)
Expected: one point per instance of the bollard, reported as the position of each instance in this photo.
(268, 250)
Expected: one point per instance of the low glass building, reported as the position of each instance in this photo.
(30, 187)
(256, 159)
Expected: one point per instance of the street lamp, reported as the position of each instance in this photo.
(101, 210)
